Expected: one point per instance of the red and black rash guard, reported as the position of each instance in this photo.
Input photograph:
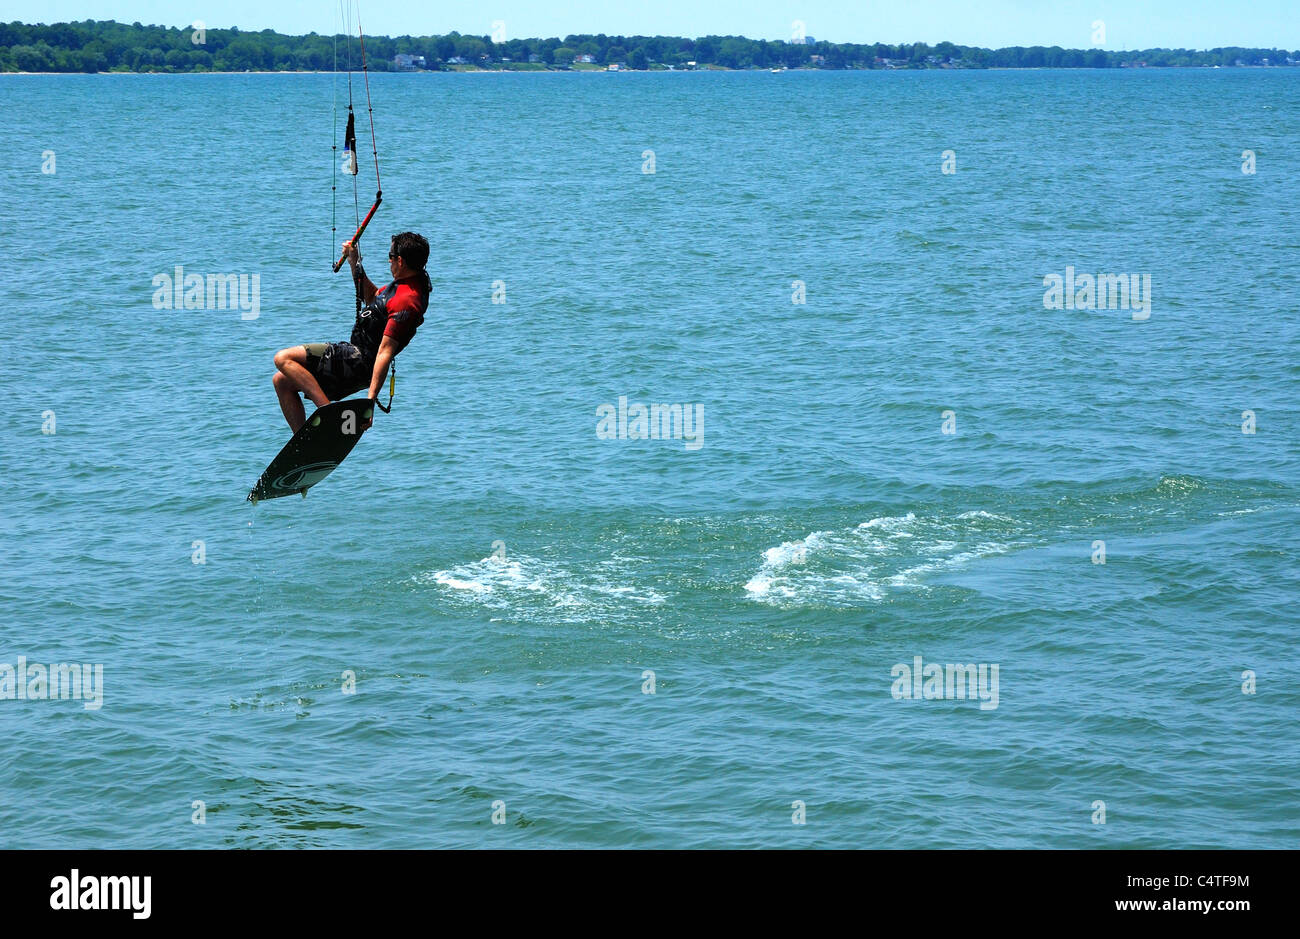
(397, 312)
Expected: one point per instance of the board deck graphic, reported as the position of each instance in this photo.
(315, 451)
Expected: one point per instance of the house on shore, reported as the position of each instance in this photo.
(402, 62)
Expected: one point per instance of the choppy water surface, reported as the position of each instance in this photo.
(500, 580)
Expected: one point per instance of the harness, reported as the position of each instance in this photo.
(368, 333)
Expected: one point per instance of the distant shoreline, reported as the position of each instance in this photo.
(712, 68)
(93, 47)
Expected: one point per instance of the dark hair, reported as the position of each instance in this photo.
(413, 250)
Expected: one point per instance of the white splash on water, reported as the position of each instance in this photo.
(542, 587)
(862, 564)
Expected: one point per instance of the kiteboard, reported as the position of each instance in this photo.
(318, 447)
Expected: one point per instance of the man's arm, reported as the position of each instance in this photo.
(368, 289)
(387, 349)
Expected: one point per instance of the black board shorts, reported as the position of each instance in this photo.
(340, 368)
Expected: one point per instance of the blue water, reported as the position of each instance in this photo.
(826, 530)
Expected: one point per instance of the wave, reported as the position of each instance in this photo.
(840, 563)
(524, 584)
(846, 567)
(866, 562)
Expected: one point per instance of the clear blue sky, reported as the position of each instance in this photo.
(1132, 24)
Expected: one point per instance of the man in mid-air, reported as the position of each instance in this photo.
(330, 371)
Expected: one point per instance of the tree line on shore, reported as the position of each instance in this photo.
(109, 46)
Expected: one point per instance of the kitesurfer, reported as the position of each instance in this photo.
(386, 322)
